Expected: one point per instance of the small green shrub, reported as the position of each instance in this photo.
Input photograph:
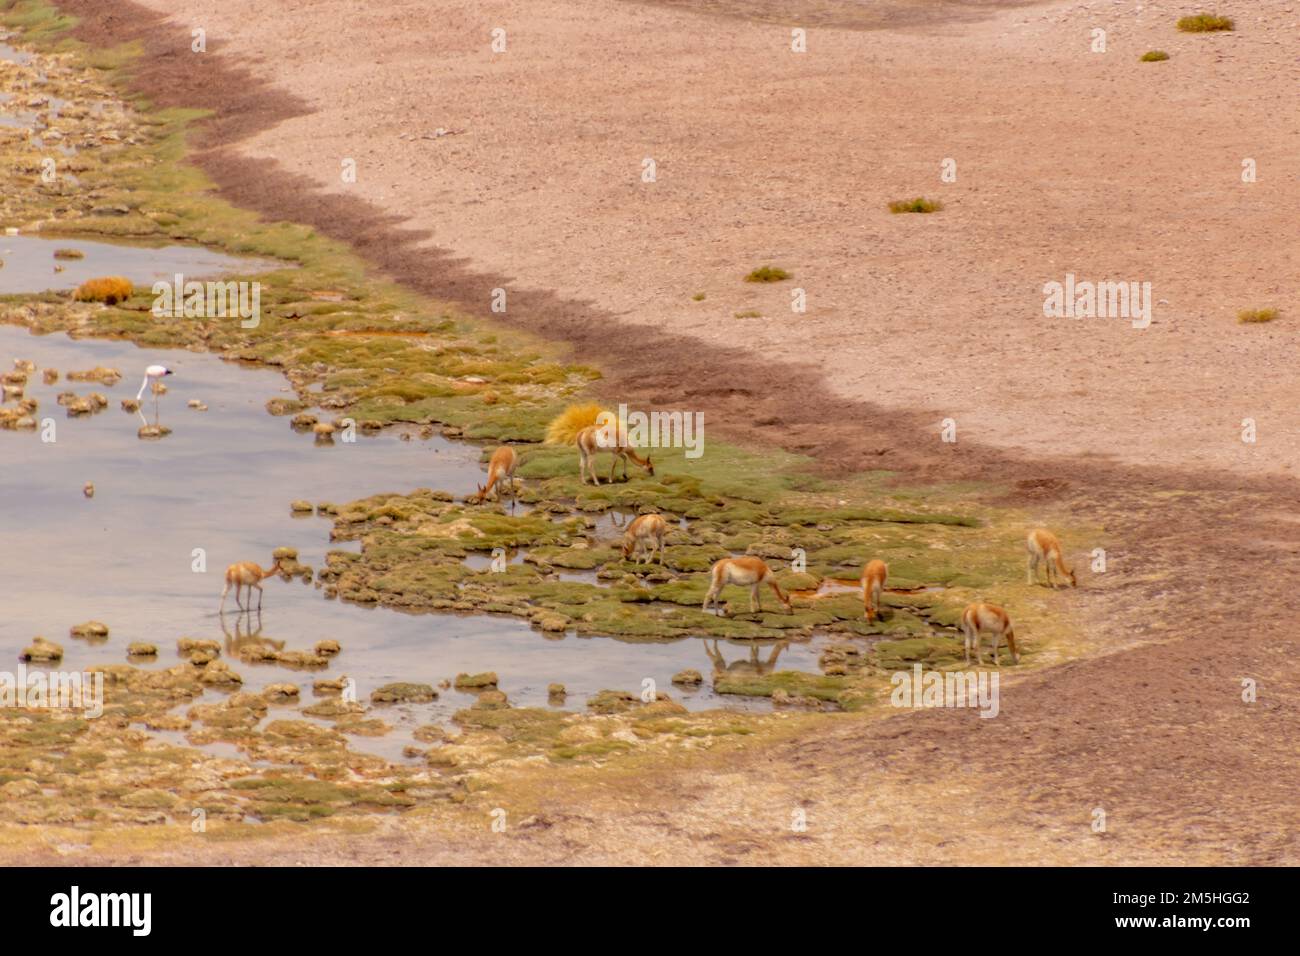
(1154, 56)
(1204, 23)
(767, 274)
(915, 205)
(1257, 315)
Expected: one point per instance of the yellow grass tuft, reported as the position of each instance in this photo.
(1205, 23)
(563, 430)
(1154, 56)
(1257, 315)
(110, 290)
(919, 204)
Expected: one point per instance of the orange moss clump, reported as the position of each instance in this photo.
(109, 290)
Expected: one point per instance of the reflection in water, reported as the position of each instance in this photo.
(247, 633)
(146, 553)
(751, 665)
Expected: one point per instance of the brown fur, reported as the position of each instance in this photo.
(646, 532)
(980, 617)
(1045, 547)
(746, 571)
(501, 468)
(247, 574)
(873, 583)
(589, 445)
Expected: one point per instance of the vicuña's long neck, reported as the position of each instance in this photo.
(631, 453)
(269, 571)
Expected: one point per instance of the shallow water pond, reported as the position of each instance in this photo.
(222, 483)
(29, 263)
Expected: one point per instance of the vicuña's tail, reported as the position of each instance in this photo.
(563, 430)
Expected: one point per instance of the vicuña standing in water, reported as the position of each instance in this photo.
(247, 574)
(594, 439)
(645, 533)
(501, 468)
(1045, 548)
(747, 572)
(873, 583)
(987, 617)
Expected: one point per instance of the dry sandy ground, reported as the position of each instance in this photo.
(1067, 161)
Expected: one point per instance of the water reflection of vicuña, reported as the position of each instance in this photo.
(753, 665)
(246, 636)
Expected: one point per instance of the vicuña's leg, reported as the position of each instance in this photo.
(709, 596)
(1031, 568)
(755, 602)
(259, 596)
(239, 587)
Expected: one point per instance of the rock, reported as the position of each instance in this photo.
(218, 673)
(153, 431)
(612, 701)
(105, 376)
(256, 653)
(90, 629)
(301, 507)
(327, 648)
(552, 623)
(88, 489)
(303, 420)
(195, 404)
(42, 650)
(491, 700)
(428, 733)
(299, 659)
(79, 406)
(405, 693)
(141, 649)
(50, 375)
(26, 423)
(323, 429)
(556, 692)
(329, 685)
(334, 707)
(280, 692)
(689, 677)
(130, 405)
(285, 554)
(473, 681)
(188, 645)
